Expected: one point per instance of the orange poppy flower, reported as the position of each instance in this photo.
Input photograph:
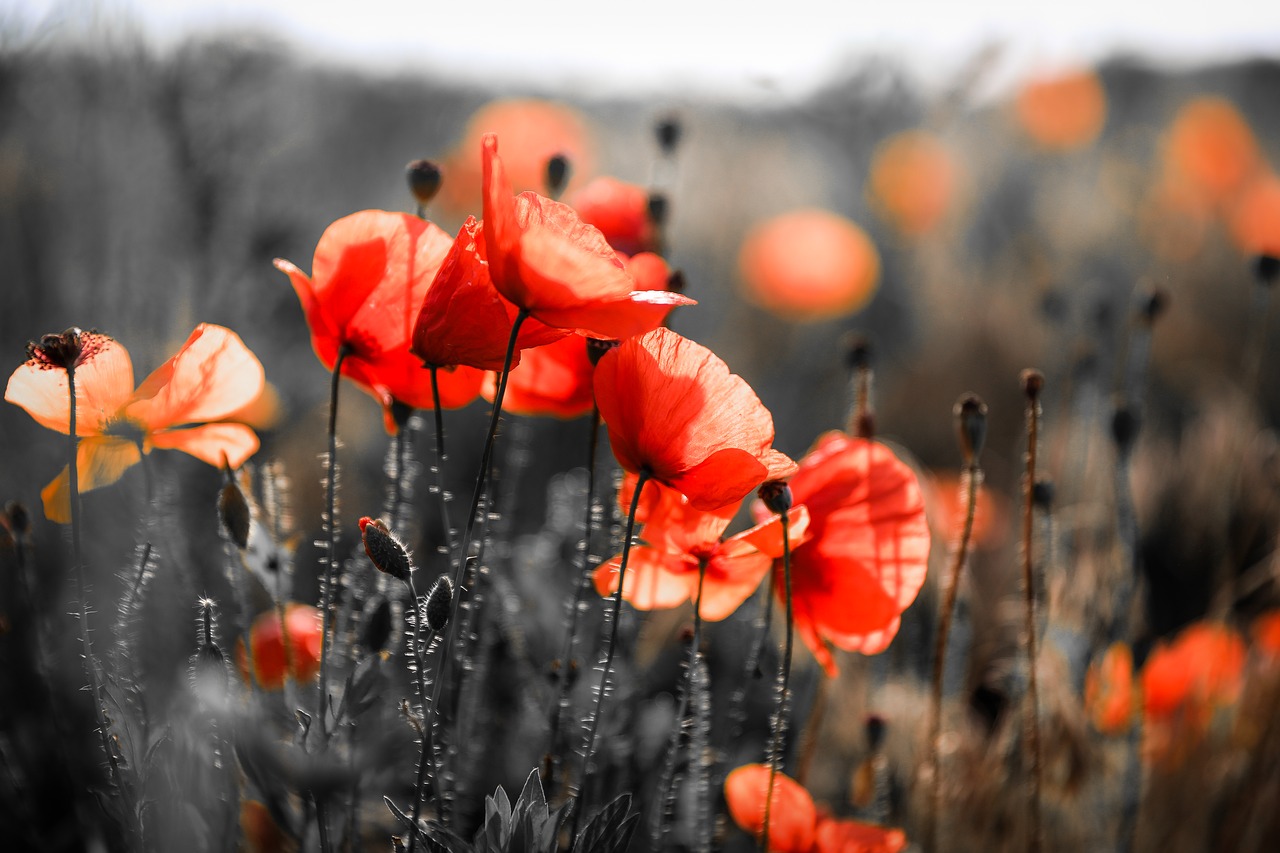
(305, 639)
(852, 836)
(560, 270)
(620, 210)
(555, 380)
(535, 131)
(464, 320)
(1063, 112)
(370, 275)
(868, 547)
(809, 265)
(912, 181)
(792, 814)
(1212, 146)
(1109, 696)
(678, 538)
(178, 407)
(1266, 635)
(1255, 217)
(676, 412)
(1202, 669)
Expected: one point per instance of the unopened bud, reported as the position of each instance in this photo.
(385, 551)
(676, 282)
(1042, 494)
(439, 604)
(1032, 382)
(1153, 304)
(1124, 427)
(876, 726)
(971, 427)
(1267, 269)
(776, 495)
(19, 518)
(857, 352)
(557, 175)
(597, 347)
(424, 179)
(668, 131)
(659, 209)
(233, 510)
(375, 624)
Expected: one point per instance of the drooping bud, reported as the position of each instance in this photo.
(439, 604)
(424, 179)
(557, 175)
(668, 131)
(776, 495)
(971, 427)
(375, 624)
(386, 552)
(233, 511)
(596, 348)
(1266, 268)
(659, 209)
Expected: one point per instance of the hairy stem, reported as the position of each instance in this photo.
(784, 684)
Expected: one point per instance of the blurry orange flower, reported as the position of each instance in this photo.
(1063, 112)
(1255, 216)
(947, 508)
(555, 380)
(560, 270)
(676, 412)
(1109, 695)
(464, 320)
(868, 547)
(1212, 146)
(305, 639)
(534, 131)
(1266, 635)
(792, 814)
(1199, 671)
(620, 210)
(261, 833)
(912, 181)
(809, 265)
(678, 538)
(178, 407)
(795, 824)
(368, 280)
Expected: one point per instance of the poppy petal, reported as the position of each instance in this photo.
(617, 319)
(211, 376)
(852, 836)
(104, 381)
(211, 443)
(100, 461)
(655, 580)
(550, 380)
(792, 814)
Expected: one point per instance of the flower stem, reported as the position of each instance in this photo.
(615, 618)
(77, 565)
(427, 715)
(567, 660)
(1031, 714)
(784, 683)
(973, 479)
(439, 471)
(331, 544)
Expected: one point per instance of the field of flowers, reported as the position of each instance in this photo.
(875, 472)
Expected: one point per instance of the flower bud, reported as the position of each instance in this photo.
(971, 426)
(424, 180)
(1042, 494)
(557, 175)
(776, 495)
(439, 604)
(1032, 382)
(385, 551)
(233, 510)
(668, 131)
(659, 209)
(1266, 268)
(676, 282)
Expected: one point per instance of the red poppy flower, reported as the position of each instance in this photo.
(1063, 112)
(179, 407)
(371, 273)
(675, 411)
(677, 538)
(560, 270)
(620, 210)
(1212, 146)
(464, 320)
(795, 824)
(868, 547)
(1255, 217)
(1266, 635)
(809, 265)
(1109, 691)
(556, 379)
(792, 814)
(1200, 670)
(269, 655)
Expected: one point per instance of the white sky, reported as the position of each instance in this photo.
(742, 47)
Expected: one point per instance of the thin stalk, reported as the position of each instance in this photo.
(77, 561)
(331, 543)
(809, 739)
(439, 472)
(615, 618)
(425, 756)
(784, 684)
(1031, 714)
(973, 476)
(567, 660)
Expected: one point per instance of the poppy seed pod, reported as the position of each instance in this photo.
(659, 209)
(776, 495)
(1032, 382)
(668, 131)
(1267, 269)
(233, 510)
(557, 174)
(971, 426)
(385, 551)
(439, 603)
(64, 350)
(424, 179)
(676, 281)
(1042, 494)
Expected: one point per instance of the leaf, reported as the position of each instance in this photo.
(610, 830)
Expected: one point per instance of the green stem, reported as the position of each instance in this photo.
(784, 683)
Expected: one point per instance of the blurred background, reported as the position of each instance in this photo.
(974, 188)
